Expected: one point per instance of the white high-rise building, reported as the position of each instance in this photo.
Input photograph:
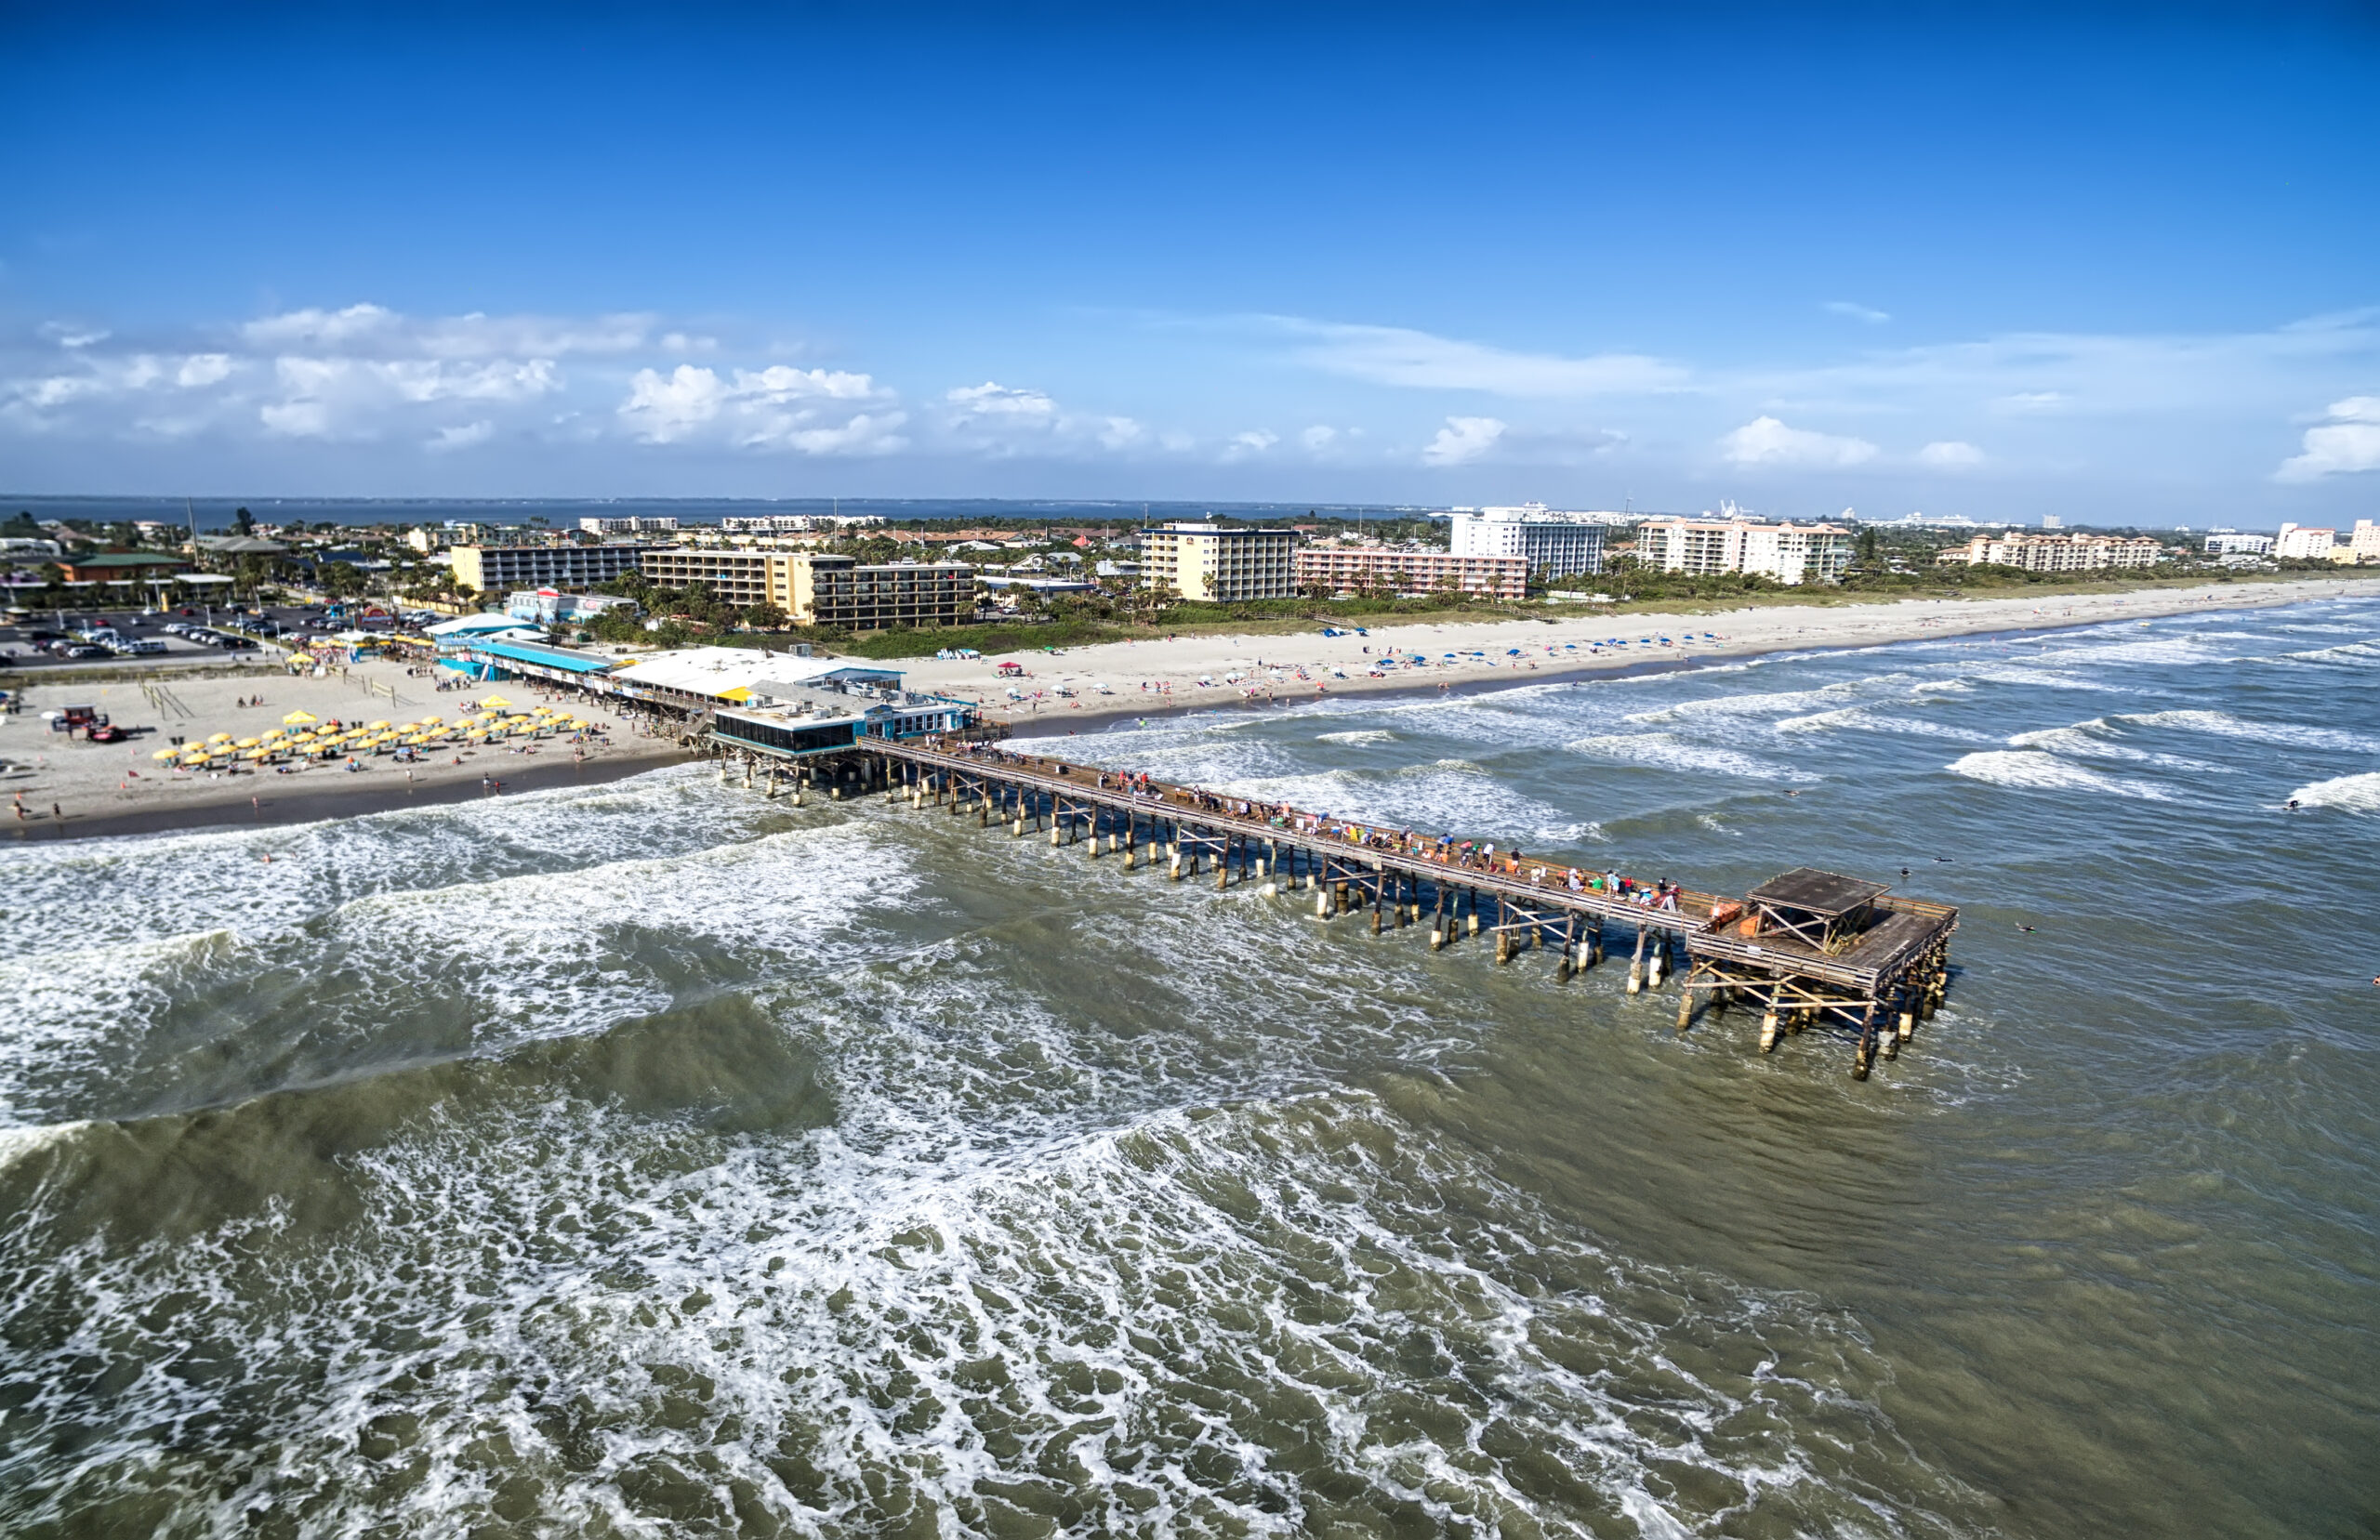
(1557, 544)
(2299, 542)
(1790, 554)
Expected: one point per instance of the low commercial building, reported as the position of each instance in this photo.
(2239, 544)
(552, 606)
(122, 567)
(1548, 543)
(2056, 553)
(1219, 565)
(632, 525)
(502, 569)
(1789, 554)
(1342, 569)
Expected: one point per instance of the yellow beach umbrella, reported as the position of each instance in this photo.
(218, 737)
(376, 727)
(249, 742)
(165, 754)
(296, 716)
(495, 701)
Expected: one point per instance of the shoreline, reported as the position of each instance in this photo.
(1888, 624)
(1838, 629)
(327, 804)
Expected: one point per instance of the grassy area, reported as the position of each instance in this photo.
(1270, 617)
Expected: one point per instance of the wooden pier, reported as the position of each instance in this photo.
(1813, 950)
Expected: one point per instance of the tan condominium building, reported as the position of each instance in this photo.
(1790, 554)
(1359, 568)
(822, 590)
(2056, 553)
(501, 569)
(1223, 566)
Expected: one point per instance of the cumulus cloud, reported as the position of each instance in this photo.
(377, 331)
(337, 398)
(1767, 441)
(1857, 312)
(992, 399)
(1319, 438)
(807, 411)
(1949, 455)
(1003, 421)
(1461, 441)
(2347, 443)
(463, 437)
(1398, 356)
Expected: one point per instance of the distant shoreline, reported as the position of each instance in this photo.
(2127, 604)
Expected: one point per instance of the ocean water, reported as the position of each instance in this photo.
(654, 1159)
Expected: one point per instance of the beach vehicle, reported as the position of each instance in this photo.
(104, 733)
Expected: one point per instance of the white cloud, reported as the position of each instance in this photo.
(1767, 441)
(1394, 355)
(1256, 439)
(374, 331)
(2031, 400)
(1857, 312)
(464, 437)
(993, 399)
(2349, 442)
(1461, 441)
(1319, 438)
(204, 369)
(780, 407)
(322, 397)
(1003, 421)
(1949, 455)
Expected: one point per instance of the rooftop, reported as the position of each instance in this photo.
(1815, 893)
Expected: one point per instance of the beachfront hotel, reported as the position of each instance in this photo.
(822, 590)
(2056, 553)
(502, 569)
(1343, 568)
(1555, 546)
(1219, 565)
(1789, 554)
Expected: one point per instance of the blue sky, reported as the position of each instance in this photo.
(2116, 263)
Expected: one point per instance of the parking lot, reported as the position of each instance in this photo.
(186, 634)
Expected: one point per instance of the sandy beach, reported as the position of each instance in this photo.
(117, 788)
(1087, 686)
